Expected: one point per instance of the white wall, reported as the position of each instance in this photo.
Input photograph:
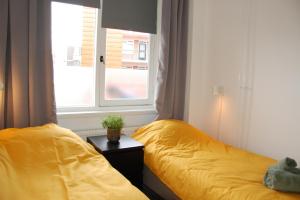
(252, 49)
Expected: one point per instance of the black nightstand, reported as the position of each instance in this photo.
(127, 156)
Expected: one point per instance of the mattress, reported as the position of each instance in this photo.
(50, 162)
(195, 166)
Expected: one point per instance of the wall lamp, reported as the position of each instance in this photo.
(218, 91)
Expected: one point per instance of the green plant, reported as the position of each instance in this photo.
(113, 122)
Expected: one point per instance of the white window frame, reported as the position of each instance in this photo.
(122, 104)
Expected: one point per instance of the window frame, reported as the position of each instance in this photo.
(100, 104)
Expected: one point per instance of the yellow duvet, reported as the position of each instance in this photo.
(195, 166)
(52, 163)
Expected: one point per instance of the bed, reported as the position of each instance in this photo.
(50, 162)
(195, 166)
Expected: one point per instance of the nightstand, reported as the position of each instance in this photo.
(127, 156)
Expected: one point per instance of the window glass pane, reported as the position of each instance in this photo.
(127, 65)
(73, 42)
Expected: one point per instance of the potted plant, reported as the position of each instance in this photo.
(114, 125)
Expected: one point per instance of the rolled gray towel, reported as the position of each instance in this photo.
(282, 180)
(283, 176)
(288, 164)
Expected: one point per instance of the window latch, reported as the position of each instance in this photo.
(102, 59)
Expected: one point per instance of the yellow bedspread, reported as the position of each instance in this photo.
(52, 163)
(195, 166)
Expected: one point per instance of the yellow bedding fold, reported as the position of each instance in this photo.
(53, 163)
(195, 166)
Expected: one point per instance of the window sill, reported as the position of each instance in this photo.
(104, 112)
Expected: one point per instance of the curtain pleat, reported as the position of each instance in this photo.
(3, 47)
(171, 77)
(26, 64)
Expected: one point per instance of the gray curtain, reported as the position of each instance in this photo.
(26, 67)
(171, 79)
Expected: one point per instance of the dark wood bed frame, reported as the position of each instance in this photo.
(153, 183)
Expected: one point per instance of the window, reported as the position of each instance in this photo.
(73, 42)
(124, 74)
